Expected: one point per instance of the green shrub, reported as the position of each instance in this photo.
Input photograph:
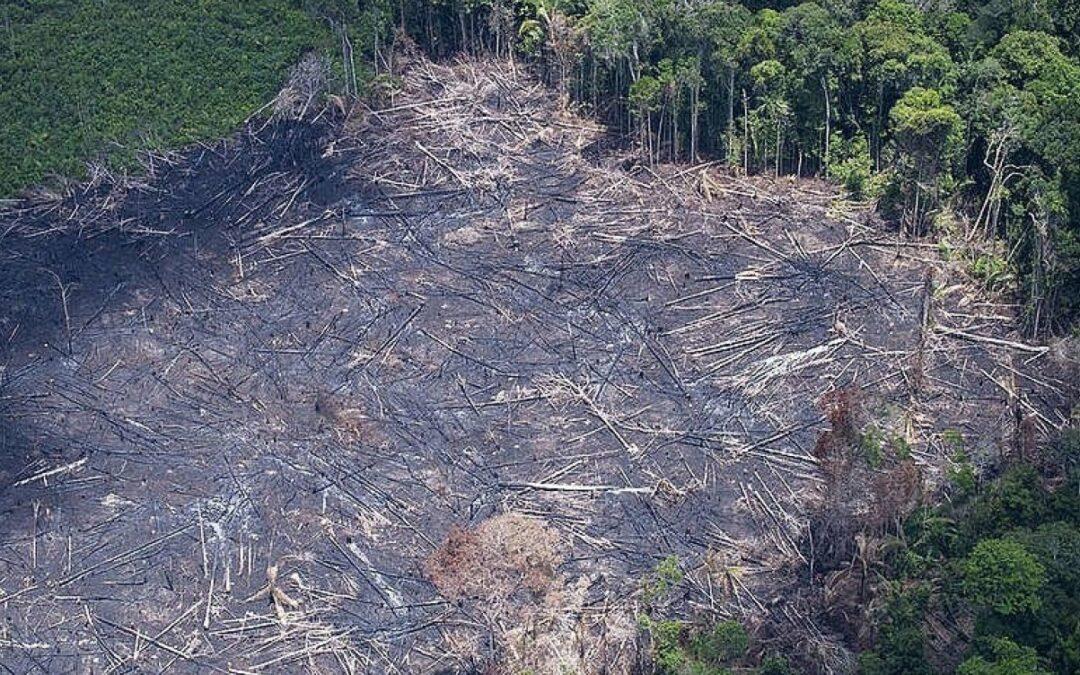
(1002, 575)
(775, 665)
(900, 643)
(871, 442)
(668, 651)
(1013, 552)
(1016, 499)
(1007, 658)
(992, 271)
(679, 649)
(850, 164)
(666, 576)
(954, 439)
(727, 641)
(961, 474)
(901, 447)
(930, 537)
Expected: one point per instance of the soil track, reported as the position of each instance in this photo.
(244, 403)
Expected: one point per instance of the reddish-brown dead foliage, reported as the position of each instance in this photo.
(840, 407)
(896, 491)
(496, 560)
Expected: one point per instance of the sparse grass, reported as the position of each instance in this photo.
(83, 80)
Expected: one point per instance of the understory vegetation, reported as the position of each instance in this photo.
(686, 648)
(998, 564)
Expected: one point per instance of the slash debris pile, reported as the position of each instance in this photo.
(437, 386)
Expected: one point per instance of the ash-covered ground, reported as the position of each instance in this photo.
(245, 401)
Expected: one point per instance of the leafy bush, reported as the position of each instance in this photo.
(1016, 499)
(725, 642)
(953, 438)
(901, 447)
(666, 576)
(1001, 574)
(871, 442)
(994, 272)
(961, 474)
(681, 649)
(850, 164)
(1054, 630)
(775, 665)
(1008, 658)
(930, 536)
(668, 652)
(900, 643)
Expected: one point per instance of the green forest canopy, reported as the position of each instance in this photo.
(79, 79)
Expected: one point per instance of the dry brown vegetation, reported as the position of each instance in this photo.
(506, 571)
(495, 561)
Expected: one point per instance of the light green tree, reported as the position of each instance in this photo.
(1008, 658)
(927, 135)
(1001, 575)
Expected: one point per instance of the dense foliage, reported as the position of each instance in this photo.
(79, 79)
(1004, 560)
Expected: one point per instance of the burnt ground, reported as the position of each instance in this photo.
(244, 400)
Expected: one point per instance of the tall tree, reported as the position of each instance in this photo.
(812, 44)
(897, 55)
(928, 141)
(1027, 108)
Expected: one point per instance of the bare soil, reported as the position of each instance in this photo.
(245, 401)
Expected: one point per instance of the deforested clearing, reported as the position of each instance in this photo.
(436, 384)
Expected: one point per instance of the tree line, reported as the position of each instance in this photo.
(934, 109)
